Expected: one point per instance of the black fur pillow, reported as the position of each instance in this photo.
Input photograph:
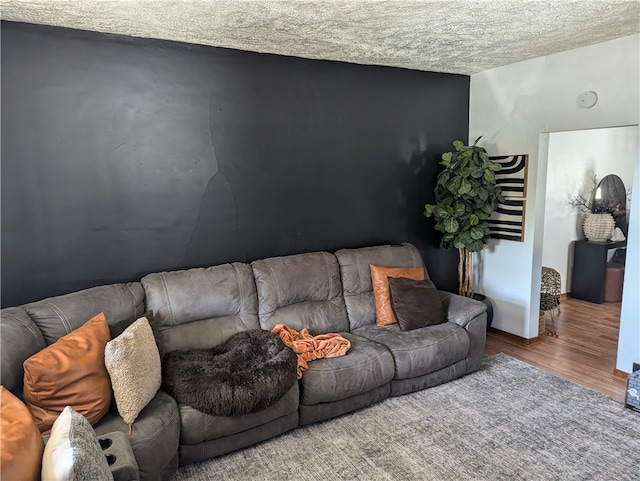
(246, 374)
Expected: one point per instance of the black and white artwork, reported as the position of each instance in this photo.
(507, 222)
(512, 177)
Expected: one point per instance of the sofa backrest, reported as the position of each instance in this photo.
(58, 316)
(29, 328)
(356, 276)
(201, 308)
(20, 339)
(301, 291)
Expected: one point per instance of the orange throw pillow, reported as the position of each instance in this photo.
(70, 372)
(380, 283)
(21, 445)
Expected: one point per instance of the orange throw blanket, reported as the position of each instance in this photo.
(308, 347)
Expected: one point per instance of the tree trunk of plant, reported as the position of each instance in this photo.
(465, 272)
(461, 257)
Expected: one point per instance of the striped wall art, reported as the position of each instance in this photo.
(507, 222)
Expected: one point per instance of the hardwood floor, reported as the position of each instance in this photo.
(584, 351)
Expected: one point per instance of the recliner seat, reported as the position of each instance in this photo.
(305, 291)
(423, 357)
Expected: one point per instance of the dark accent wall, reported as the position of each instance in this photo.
(124, 156)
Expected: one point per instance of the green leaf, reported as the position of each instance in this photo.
(458, 244)
(476, 233)
(482, 194)
(458, 209)
(489, 176)
(477, 172)
(451, 225)
(475, 246)
(473, 220)
(448, 238)
(465, 187)
(495, 166)
(443, 178)
(454, 184)
(428, 210)
(458, 144)
(440, 212)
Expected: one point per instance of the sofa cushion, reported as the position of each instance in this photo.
(20, 339)
(415, 304)
(133, 363)
(366, 366)
(380, 283)
(70, 372)
(201, 308)
(420, 351)
(300, 291)
(155, 435)
(199, 427)
(21, 444)
(73, 452)
(57, 316)
(356, 276)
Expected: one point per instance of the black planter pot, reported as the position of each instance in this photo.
(487, 302)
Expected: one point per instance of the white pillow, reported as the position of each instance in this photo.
(133, 362)
(73, 452)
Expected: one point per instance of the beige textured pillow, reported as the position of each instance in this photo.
(133, 362)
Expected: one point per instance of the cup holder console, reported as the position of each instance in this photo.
(105, 443)
(119, 455)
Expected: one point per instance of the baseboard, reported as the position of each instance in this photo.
(621, 374)
(520, 340)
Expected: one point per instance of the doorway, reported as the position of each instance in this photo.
(568, 163)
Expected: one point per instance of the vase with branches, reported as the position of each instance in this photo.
(466, 195)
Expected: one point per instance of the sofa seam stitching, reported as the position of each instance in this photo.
(30, 328)
(359, 264)
(326, 266)
(166, 293)
(132, 296)
(240, 314)
(275, 281)
(61, 315)
(157, 433)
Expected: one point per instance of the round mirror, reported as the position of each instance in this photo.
(611, 196)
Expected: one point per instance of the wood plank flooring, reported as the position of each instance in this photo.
(584, 351)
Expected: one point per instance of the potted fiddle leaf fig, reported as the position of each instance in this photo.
(466, 195)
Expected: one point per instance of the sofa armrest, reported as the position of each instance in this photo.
(459, 309)
(120, 456)
(472, 316)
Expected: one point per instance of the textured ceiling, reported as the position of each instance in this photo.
(456, 36)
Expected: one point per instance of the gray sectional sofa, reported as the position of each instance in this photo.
(201, 308)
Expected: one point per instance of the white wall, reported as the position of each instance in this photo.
(574, 158)
(629, 336)
(511, 107)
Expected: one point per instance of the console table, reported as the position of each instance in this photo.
(590, 269)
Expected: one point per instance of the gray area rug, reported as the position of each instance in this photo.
(508, 421)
